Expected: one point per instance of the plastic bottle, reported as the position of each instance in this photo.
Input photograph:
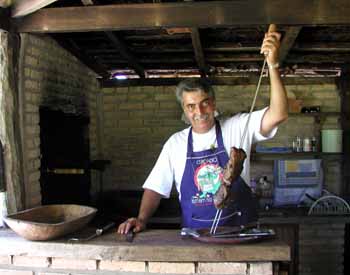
(299, 147)
(307, 144)
(314, 144)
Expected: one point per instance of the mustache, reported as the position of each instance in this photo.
(201, 117)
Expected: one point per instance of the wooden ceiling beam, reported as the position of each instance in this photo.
(175, 48)
(198, 52)
(217, 81)
(25, 7)
(155, 37)
(312, 58)
(120, 46)
(125, 53)
(185, 14)
(288, 42)
(238, 59)
(322, 47)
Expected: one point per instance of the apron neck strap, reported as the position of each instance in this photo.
(219, 139)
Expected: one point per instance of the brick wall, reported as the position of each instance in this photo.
(51, 77)
(25, 265)
(138, 120)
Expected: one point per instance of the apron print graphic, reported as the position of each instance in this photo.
(207, 179)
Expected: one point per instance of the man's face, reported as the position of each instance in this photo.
(199, 109)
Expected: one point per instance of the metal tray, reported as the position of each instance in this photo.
(229, 235)
(50, 221)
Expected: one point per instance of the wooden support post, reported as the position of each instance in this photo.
(344, 87)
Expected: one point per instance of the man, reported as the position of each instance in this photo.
(194, 158)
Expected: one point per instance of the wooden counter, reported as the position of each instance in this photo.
(152, 245)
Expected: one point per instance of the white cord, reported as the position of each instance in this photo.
(253, 104)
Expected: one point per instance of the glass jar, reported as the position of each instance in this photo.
(298, 144)
(307, 145)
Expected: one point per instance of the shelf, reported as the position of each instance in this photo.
(295, 155)
(321, 114)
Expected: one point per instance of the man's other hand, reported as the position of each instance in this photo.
(134, 224)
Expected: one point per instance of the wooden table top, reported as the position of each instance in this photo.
(150, 245)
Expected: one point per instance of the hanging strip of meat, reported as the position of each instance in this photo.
(232, 171)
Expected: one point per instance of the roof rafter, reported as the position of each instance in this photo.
(125, 53)
(288, 42)
(93, 64)
(120, 45)
(198, 51)
(25, 7)
(185, 14)
(216, 81)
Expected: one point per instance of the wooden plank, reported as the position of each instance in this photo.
(186, 14)
(216, 81)
(231, 47)
(307, 58)
(311, 58)
(322, 47)
(188, 58)
(198, 51)
(288, 42)
(95, 65)
(344, 87)
(150, 245)
(119, 44)
(11, 104)
(25, 7)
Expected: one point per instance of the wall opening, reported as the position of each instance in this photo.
(64, 145)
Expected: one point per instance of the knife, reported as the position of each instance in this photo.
(98, 232)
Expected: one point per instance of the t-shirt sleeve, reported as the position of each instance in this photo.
(255, 126)
(161, 177)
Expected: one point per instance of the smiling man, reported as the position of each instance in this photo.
(193, 159)
(198, 106)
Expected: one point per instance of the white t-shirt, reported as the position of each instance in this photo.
(171, 162)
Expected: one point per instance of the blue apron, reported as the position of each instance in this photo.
(200, 181)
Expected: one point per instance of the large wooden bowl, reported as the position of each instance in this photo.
(50, 221)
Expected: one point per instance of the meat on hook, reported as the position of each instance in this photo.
(232, 170)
